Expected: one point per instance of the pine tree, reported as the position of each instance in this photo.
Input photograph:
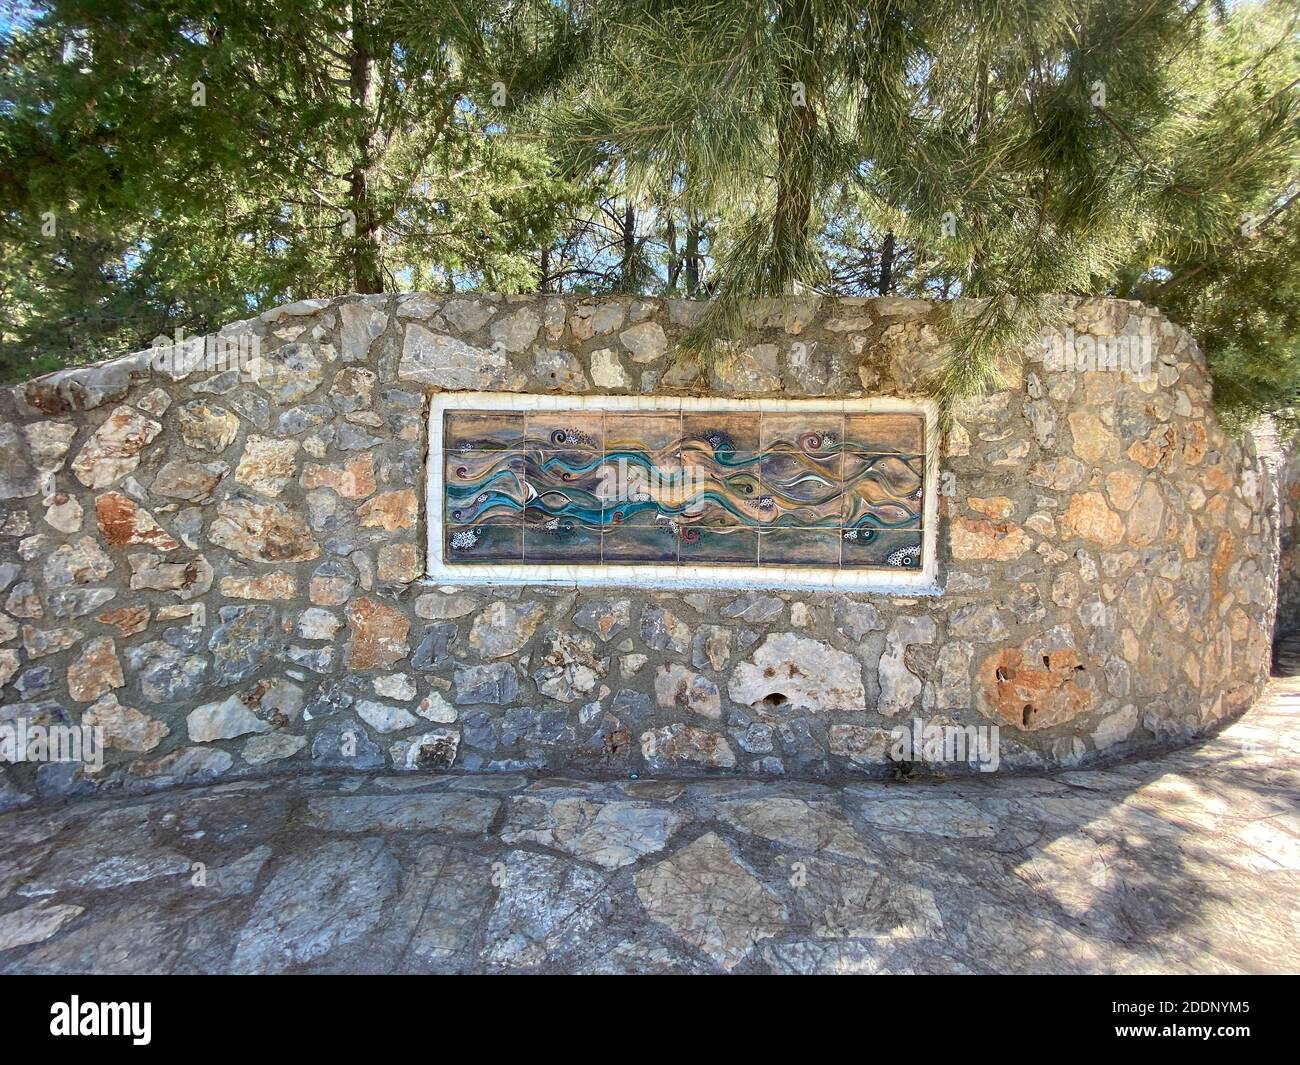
(163, 165)
(198, 165)
(1002, 152)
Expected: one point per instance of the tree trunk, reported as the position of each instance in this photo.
(793, 189)
(674, 258)
(365, 250)
(627, 282)
(692, 256)
(796, 132)
(886, 265)
(544, 283)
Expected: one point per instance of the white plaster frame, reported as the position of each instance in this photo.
(793, 578)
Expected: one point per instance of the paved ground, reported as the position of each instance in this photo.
(1186, 864)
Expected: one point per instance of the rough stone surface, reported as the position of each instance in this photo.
(710, 898)
(242, 643)
(610, 834)
(79, 562)
(123, 522)
(96, 671)
(361, 327)
(646, 342)
(900, 685)
(315, 903)
(193, 482)
(503, 628)
(378, 635)
(676, 687)
(803, 674)
(445, 362)
(207, 427)
(379, 872)
(272, 586)
(1107, 523)
(289, 374)
(262, 532)
(273, 747)
(34, 924)
(223, 721)
(187, 579)
(686, 746)
(125, 727)
(545, 906)
(390, 510)
(114, 449)
(436, 749)
(267, 465)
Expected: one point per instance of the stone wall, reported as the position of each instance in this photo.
(1288, 588)
(223, 569)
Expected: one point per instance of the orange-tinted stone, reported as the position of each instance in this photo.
(391, 510)
(379, 635)
(96, 671)
(999, 542)
(123, 522)
(1030, 695)
(355, 479)
(128, 620)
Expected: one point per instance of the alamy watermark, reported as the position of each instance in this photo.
(973, 745)
(22, 741)
(1065, 352)
(77, 1018)
(178, 356)
(630, 482)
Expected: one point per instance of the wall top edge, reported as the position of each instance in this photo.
(86, 387)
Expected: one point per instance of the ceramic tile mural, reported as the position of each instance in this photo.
(735, 488)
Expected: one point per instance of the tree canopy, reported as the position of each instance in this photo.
(177, 164)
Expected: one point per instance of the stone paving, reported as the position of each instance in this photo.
(1189, 863)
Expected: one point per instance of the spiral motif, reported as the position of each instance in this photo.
(802, 476)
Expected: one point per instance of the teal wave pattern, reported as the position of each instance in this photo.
(652, 489)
